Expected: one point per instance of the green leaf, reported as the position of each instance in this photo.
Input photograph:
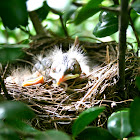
(118, 124)
(15, 110)
(19, 125)
(2, 138)
(134, 138)
(95, 133)
(108, 24)
(11, 52)
(135, 116)
(85, 118)
(106, 16)
(88, 10)
(136, 6)
(43, 11)
(8, 134)
(133, 15)
(52, 135)
(13, 13)
(68, 13)
(1, 124)
(25, 41)
(14, 46)
(138, 82)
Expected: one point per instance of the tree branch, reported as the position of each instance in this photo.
(36, 22)
(123, 24)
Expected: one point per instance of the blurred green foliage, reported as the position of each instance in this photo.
(89, 23)
(78, 19)
(13, 13)
(13, 124)
(14, 116)
(11, 52)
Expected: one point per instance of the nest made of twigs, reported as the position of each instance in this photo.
(61, 105)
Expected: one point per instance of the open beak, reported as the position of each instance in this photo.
(35, 81)
(67, 77)
(40, 80)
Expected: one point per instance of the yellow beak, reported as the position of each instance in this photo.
(67, 77)
(35, 81)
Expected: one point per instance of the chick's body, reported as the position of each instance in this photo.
(63, 66)
(59, 65)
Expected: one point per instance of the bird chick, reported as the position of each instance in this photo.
(63, 66)
(59, 65)
(68, 65)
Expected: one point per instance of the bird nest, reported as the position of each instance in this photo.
(61, 105)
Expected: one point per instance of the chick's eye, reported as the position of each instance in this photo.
(76, 68)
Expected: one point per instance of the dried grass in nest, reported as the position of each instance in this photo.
(61, 105)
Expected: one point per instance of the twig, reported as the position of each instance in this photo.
(63, 26)
(76, 42)
(89, 37)
(4, 89)
(107, 55)
(5, 70)
(93, 89)
(24, 30)
(111, 9)
(78, 4)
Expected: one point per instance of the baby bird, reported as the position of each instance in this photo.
(59, 65)
(63, 66)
